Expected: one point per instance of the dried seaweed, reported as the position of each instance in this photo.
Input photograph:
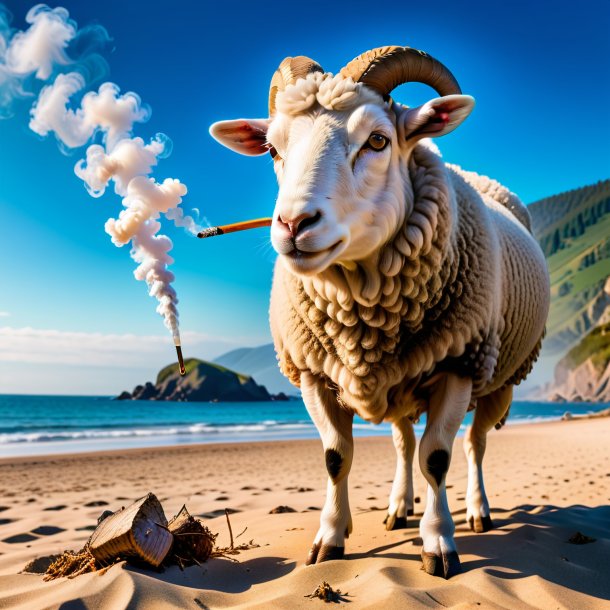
(579, 538)
(73, 564)
(227, 551)
(325, 592)
(223, 551)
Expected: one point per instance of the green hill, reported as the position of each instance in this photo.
(573, 229)
(203, 382)
(595, 346)
(583, 374)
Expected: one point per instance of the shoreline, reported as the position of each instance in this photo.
(544, 481)
(307, 431)
(223, 444)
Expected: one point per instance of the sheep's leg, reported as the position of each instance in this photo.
(447, 406)
(400, 505)
(490, 410)
(334, 423)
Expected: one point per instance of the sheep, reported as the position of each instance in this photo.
(403, 285)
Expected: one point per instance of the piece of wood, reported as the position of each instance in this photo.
(139, 530)
(193, 541)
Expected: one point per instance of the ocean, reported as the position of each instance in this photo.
(40, 425)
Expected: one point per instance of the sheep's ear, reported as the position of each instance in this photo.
(245, 136)
(436, 117)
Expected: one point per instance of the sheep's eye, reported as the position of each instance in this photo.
(376, 142)
(274, 154)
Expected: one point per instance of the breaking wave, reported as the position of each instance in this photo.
(202, 429)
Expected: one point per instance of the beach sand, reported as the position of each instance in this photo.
(545, 483)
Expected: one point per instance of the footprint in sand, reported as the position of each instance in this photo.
(3, 508)
(48, 530)
(221, 499)
(217, 513)
(17, 538)
(58, 507)
(95, 503)
(282, 509)
(7, 521)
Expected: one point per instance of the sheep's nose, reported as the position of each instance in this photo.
(298, 224)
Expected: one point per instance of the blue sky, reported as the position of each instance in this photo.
(540, 75)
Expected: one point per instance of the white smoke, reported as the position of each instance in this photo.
(151, 250)
(183, 221)
(126, 160)
(137, 223)
(10, 84)
(43, 45)
(105, 110)
(50, 114)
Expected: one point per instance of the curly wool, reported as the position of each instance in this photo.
(332, 92)
(489, 187)
(386, 323)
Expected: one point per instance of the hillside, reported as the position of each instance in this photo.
(203, 382)
(261, 363)
(584, 372)
(573, 229)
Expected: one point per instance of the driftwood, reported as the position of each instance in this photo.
(139, 531)
(193, 541)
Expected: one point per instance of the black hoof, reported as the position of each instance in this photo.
(324, 552)
(484, 524)
(410, 512)
(446, 566)
(392, 522)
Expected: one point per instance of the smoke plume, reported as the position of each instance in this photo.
(42, 54)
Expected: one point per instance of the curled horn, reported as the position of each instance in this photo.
(385, 68)
(289, 71)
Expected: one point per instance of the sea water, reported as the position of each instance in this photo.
(37, 425)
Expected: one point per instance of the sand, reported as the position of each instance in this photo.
(545, 482)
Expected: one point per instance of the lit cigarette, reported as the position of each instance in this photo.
(237, 226)
(180, 360)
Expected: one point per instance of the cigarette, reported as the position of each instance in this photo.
(180, 360)
(237, 226)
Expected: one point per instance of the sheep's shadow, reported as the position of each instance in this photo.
(536, 544)
(529, 541)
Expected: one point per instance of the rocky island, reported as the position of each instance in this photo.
(203, 382)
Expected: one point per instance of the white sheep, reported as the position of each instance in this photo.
(403, 285)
